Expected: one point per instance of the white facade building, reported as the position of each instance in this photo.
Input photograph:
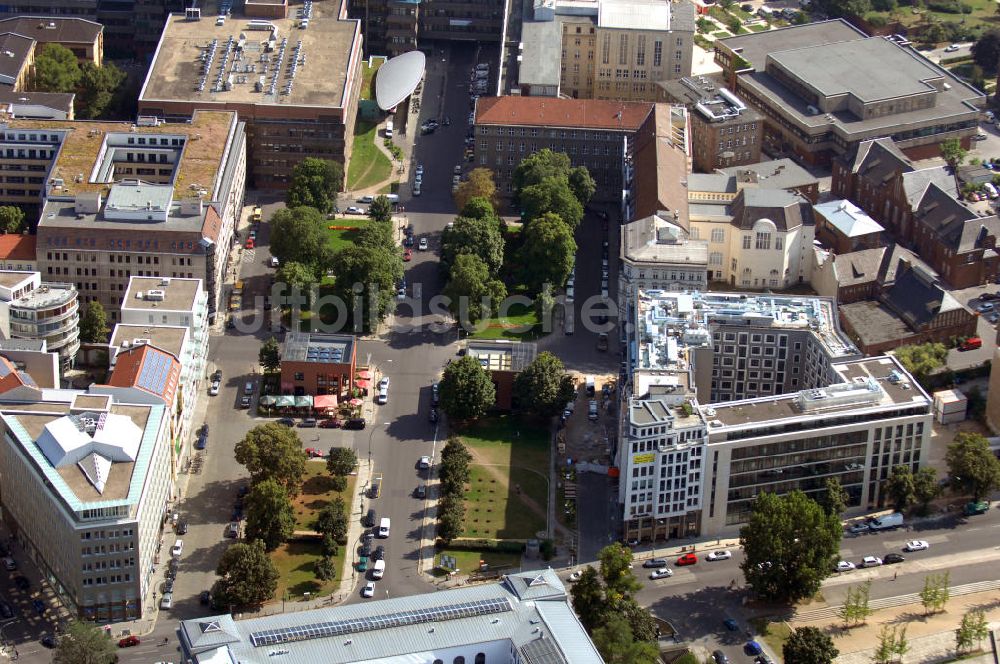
(30, 309)
(657, 253)
(727, 395)
(86, 483)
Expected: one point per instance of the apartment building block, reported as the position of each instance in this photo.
(655, 253)
(17, 252)
(393, 27)
(295, 83)
(35, 310)
(85, 492)
(122, 200)
(726, 394)
(595, 134)
(805, 81)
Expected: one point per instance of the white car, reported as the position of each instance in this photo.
(422, 246)
(916, 545)
(383, 396)
(952, 48)
(424, 463)
(416, 189)
(420, 169)
(213, 391)
(575, 576)
(274, 261)
(384, 383)
(845, 566)
(355, 210)
(369, 590)
(177, 549)
(871, 561)
(719, 555)
(661, 573)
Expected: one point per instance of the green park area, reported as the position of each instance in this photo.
(296, 559)
(520, 323)
(507, 496)
(369, 166)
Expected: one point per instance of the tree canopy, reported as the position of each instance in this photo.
(809, 645)
(269, 355)
(380, 209)
(478, 184)
(953, 153)
(85, 643)
(270, 518)
(900, 488)
(551, 195)
(544, 387)
(332, 520)
(921, 359)
(466, 389)
(315, 183)
(479, 208)
(834, 499)
(377, 270)
(548, 253)
(273, 451)
(11, 219)
(94, 323)
(248, 577)
(972, 467)
(478, 236)
(97, 88)
(297, 276)
(341, 461)
(472, 294)
(298, 235)
(617, 644)
(56, 69)
(986, 50)
(789, 546)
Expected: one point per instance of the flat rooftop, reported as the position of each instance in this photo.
(49, 294)
(12, 278)
(832, 69)
(124, 479)
(169, 338)
(201, 161)
(322, 348)
(874, 382)
(315, 60)
(178, 294)
(829, 54)
(501, 355)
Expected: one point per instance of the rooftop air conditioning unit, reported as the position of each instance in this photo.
(140, 295)
(139, 342)
(156, 295)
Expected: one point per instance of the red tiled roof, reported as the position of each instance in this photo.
(128, 371)
(552, 112)
(17, 247)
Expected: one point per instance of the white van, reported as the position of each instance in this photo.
(383, 527)
(388, 128)
(991, 191)
(888, 522)
(378, 570)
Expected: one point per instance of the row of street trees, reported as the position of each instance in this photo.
(453, 474)
(622, 631)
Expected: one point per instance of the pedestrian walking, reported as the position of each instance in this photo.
(894, 575)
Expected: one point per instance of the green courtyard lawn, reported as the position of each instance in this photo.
(340, 238)
(368, 77)
(296, 560)
(468, 561)
(507, 497)
(512, 326)
(369, 166)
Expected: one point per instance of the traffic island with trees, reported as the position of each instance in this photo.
(296, 521)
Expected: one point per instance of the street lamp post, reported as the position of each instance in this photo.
(372, 435)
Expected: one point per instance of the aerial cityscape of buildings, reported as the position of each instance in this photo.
(776, 212)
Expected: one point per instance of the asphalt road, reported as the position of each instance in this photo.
(696, 599)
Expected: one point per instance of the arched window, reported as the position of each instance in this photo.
(481, 658)
(459, 660)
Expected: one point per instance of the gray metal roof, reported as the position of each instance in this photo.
(527, 612)
(398, 78)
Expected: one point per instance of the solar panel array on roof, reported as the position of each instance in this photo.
(324, 354)
(154, 374)
(4, 369)
(352, 626)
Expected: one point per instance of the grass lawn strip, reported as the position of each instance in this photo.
(511, 326)
(339, 238)
(468, 561)
(369, 165)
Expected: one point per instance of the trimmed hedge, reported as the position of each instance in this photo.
(499, 546)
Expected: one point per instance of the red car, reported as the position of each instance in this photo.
(314, 453)
(128, 642)
(331, 423)
(408, 255)
(687, 559)
(249, 243)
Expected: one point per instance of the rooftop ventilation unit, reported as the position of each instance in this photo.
(156, 295)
